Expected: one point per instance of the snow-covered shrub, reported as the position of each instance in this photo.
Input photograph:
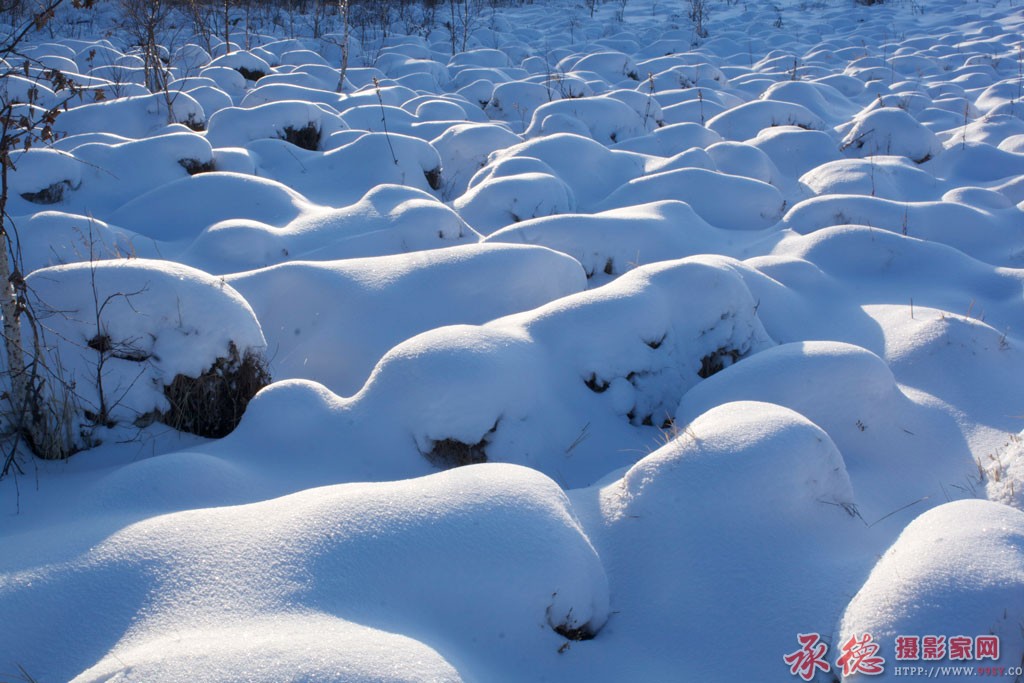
(613, 242)
(181, 209)
(751, 204)
(250, 65)
(464, 149)
(42, 176)
(303, 124)
(619, 357)
(515, 101)
(615, 66)
(889, 177)
(132, 117)
(315, 338)
(606, 119)
(574, 158)
(498, 202)
(141, 340)
(747, 120)
(50, 238)
(890, 131)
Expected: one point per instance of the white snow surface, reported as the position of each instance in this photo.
(601, 350)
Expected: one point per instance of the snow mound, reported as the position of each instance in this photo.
(888, 177)
(312, 647)
(573, 157)
(891, 131)
(795, 151)
(389, 219)
(936, 221)
(180, 210)
(51, 238)
(878, 429)
(464, 150)
(747, 120)
(745, 484)
(751, 204)
(605, 119)
(957, 570)
(122, 331)
(762, 455)
(497, 202)
(352, 166)
(610, 243)
(319, 317)
(341, 557)
(520, 390)
(303, 124)
(137, 116)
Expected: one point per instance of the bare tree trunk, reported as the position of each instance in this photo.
(44, 423)
(227, 27)
(28, 414)
(343, 7)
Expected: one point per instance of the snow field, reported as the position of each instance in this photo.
(602, 351)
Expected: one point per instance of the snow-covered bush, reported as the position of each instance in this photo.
(303, 124)
(138, 340)
(132, 117)
(889, 131)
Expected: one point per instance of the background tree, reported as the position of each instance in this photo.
(41, 424)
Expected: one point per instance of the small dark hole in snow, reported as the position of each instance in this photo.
(198, 125)
(195, 167)
(716, 361)
(656, 343)
(250, 75)
(569, 630)
(669, 423)
(584, 632)
(449, 453)
(48, 195)
(648, 421)
(609, 267)
(307, 137)
(433, 178)
(598, 387)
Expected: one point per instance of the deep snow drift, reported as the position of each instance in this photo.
(602, 350)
